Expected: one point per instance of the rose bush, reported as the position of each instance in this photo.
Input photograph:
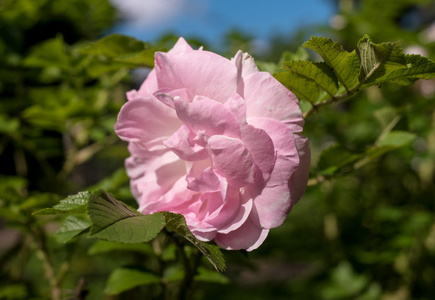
(217, 141)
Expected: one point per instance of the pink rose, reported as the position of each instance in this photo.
(217, 141)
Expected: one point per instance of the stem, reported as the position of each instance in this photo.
(190, 267)
(43, 254)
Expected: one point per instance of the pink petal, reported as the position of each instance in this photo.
(245, 66)
(231, 159)
(182, 144)
(274, 201)
(191, 70)
(146, 121)
(266, 97)
(208, 116)
(261, 147)
(206, 182)
(180, 46)
(248, 237)
(299, 178)
(237, 106)
(149, 86)
(166, 96)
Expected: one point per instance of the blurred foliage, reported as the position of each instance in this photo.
(365, 229)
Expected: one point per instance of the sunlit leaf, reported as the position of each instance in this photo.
(72, 204)
(345, 64)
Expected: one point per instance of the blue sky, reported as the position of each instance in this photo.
(211, 19)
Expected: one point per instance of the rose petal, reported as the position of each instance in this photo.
(182, 144)
(231, 159)
(268, 98)
(245, 66)
(208, 116)
(248, 237)
(146, 121)
(206, 182)
(191, 70)
(299, 178)
(261, 147)
(237, 106)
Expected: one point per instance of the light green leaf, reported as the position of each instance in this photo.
(72, 204)
(177, 223)
(302, 87)
(115, 221)
(397, 139)
(124, 279)
(320, 73)
(71, 227)
(345, 64)
(379, 60)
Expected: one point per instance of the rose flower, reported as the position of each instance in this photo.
(217, 141)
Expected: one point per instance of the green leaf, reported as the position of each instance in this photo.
(335, 158)
(50, 53)
(124, 279)
(116, 51)
(301, 86)
(71, 227)
(115, 221)
(72, 204)
(206, 275)
(177, 223)
(114, 45)
(378, 60)
(320, 73)
(397, 139)
(345, 64)
(101, 246)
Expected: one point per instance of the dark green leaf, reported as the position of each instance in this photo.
(124, 279)
(177, 223)
(101, 246)
(115, 221)
(71, 227)
(335, 158)
(345, 64)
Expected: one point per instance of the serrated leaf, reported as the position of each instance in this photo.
(177, 223)
(124, 279)
(302, 87)
(101, 246)
(115, 221)
(72, 204)
(415, 67)
(320, 73)
(379, 60)
(71, 227)
(345, 64)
